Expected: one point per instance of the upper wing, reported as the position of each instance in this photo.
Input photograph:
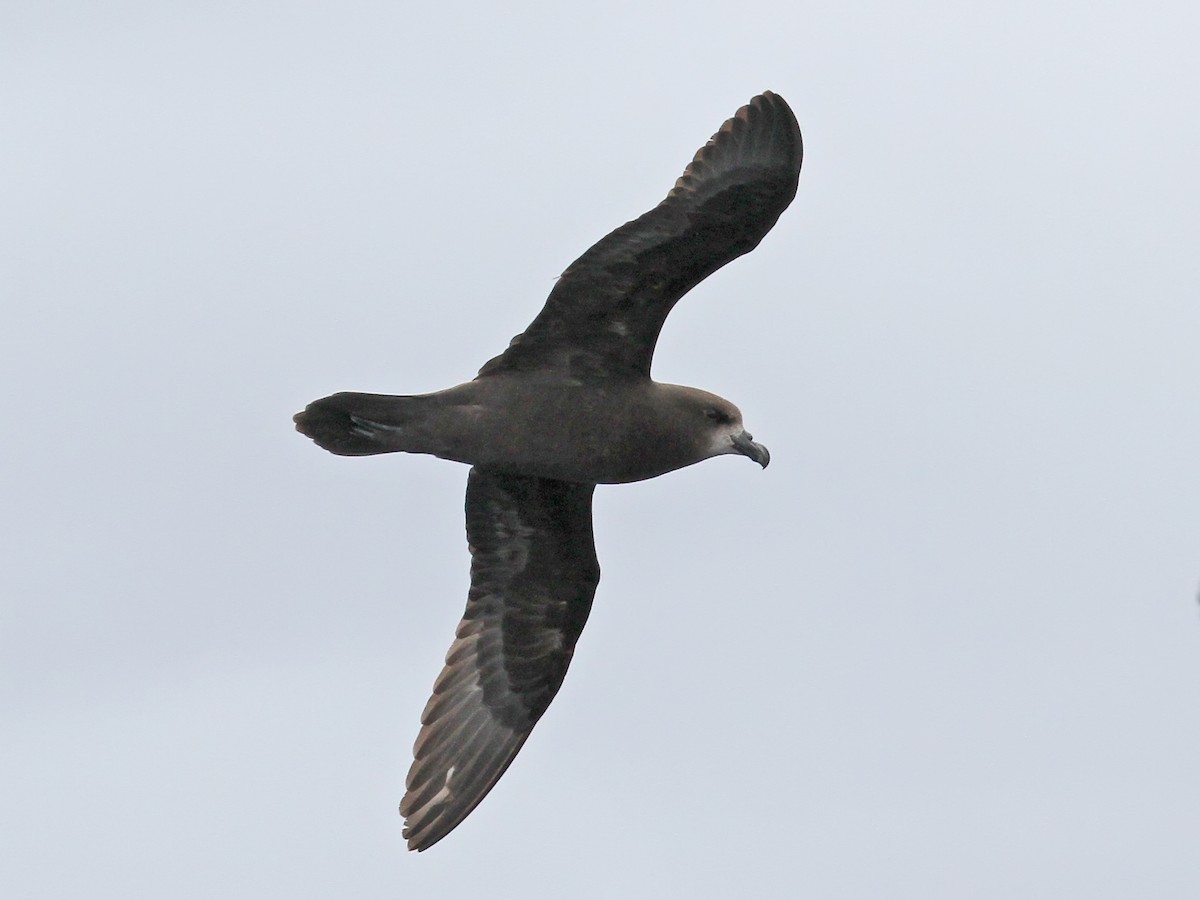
(604, 314)
(533, 575)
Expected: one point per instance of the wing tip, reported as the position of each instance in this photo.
(432, 810)
(763, 134)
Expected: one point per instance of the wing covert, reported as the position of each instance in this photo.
(604, 315)
(533, 575)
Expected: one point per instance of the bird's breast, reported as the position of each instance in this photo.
(567, 431)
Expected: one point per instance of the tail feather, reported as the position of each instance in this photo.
(351, 424)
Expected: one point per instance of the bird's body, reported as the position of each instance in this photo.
(538, 424)
(569, 405)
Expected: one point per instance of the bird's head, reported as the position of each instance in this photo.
(715, 425)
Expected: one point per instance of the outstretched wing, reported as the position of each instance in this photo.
(533, 576)
(605, 313)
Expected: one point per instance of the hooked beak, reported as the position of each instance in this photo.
(744, 444)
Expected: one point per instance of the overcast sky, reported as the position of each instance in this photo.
(946, 646)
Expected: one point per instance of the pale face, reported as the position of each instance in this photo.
(724, 423)
(716, 424)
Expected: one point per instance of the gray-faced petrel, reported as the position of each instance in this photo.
(569, 405)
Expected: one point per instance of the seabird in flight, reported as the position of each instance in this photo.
(569, 405)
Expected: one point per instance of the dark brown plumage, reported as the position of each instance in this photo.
(512, 648)
(568, 405)
(604, 315)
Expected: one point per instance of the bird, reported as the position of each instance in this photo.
(570, 404)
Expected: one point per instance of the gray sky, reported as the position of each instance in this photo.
(946, 646)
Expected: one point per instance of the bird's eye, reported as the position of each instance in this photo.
(716, 415)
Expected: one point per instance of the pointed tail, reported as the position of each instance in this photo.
(351, 424)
